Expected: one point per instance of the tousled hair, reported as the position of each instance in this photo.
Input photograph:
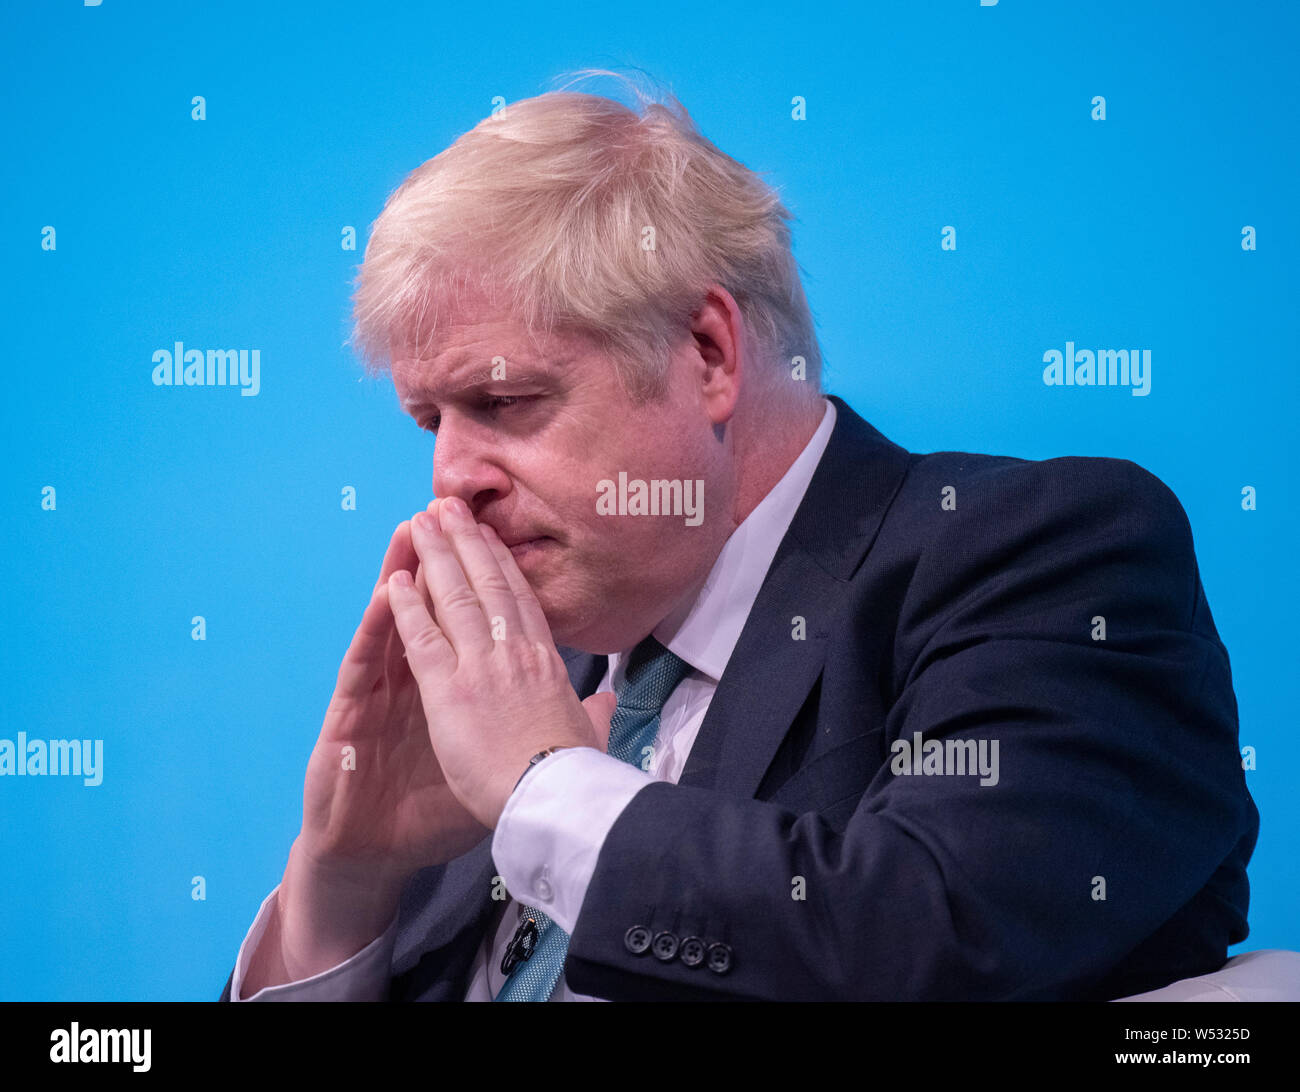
(547, 207)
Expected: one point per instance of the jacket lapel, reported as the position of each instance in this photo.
(770, 675)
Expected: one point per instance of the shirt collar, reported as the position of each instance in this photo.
(704, 632)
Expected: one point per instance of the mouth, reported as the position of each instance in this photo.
(527, 547)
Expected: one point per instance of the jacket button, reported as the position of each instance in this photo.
(692, 951)
(665, 946)
(719, 958)
(637, 939)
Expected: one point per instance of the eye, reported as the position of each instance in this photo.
(490, 402)
(499, 401)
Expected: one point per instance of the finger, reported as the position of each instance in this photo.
(531, 615)
(421, 575)
(397, 651)
(364, 662)
(405, 557)
(600, 711)
(397, 666)
(457, 608)
(430, 656)
(400, 554)
(481, 567)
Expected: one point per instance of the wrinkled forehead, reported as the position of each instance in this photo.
(476, 340)
(473, 359)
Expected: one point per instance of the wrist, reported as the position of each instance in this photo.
(537, 758)
(328, 913)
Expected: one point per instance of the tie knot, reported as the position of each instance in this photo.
(651, 674)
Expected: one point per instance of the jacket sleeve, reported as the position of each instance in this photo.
(1056, 615)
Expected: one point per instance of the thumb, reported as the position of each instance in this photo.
(600, 708)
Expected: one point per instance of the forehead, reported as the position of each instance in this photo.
(474, 330)
(470, 353)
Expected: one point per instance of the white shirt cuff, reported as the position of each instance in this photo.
(363, 977)
(549, 836)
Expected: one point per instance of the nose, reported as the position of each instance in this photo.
(464, 463)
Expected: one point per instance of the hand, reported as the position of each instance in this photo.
(494, 688)
(392, 812)
(376, 806)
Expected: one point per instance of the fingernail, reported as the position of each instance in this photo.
(403, 579)
(456, 507)
(426, 523)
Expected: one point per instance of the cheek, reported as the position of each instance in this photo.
(635, 551)
(612, 545)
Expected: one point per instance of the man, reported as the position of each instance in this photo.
(692, 685)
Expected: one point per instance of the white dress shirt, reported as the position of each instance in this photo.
(544, 848)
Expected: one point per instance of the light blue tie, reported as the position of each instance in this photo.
(652, 674)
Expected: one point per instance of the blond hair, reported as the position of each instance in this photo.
(574, 212)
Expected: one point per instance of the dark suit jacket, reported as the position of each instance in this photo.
(1109, 858)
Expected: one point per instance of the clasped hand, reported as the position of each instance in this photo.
(494, 688)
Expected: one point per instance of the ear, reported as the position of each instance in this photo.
(719, 331)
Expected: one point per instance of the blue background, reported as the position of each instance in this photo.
(226, 233)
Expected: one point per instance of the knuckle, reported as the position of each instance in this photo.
(425, 639)
(461, 689)
(537, 663)
(459, 597)
(528, 660)
(494, 584)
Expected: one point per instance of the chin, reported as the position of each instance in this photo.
(591, 618)
(563, 630)
(573, 627)
(598, 636)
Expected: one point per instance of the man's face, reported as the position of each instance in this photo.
(526, 450)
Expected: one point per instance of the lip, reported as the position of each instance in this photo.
(528, 545)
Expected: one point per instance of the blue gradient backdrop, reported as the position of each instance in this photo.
(226, 233)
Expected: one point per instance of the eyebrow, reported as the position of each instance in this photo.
(516, 374)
